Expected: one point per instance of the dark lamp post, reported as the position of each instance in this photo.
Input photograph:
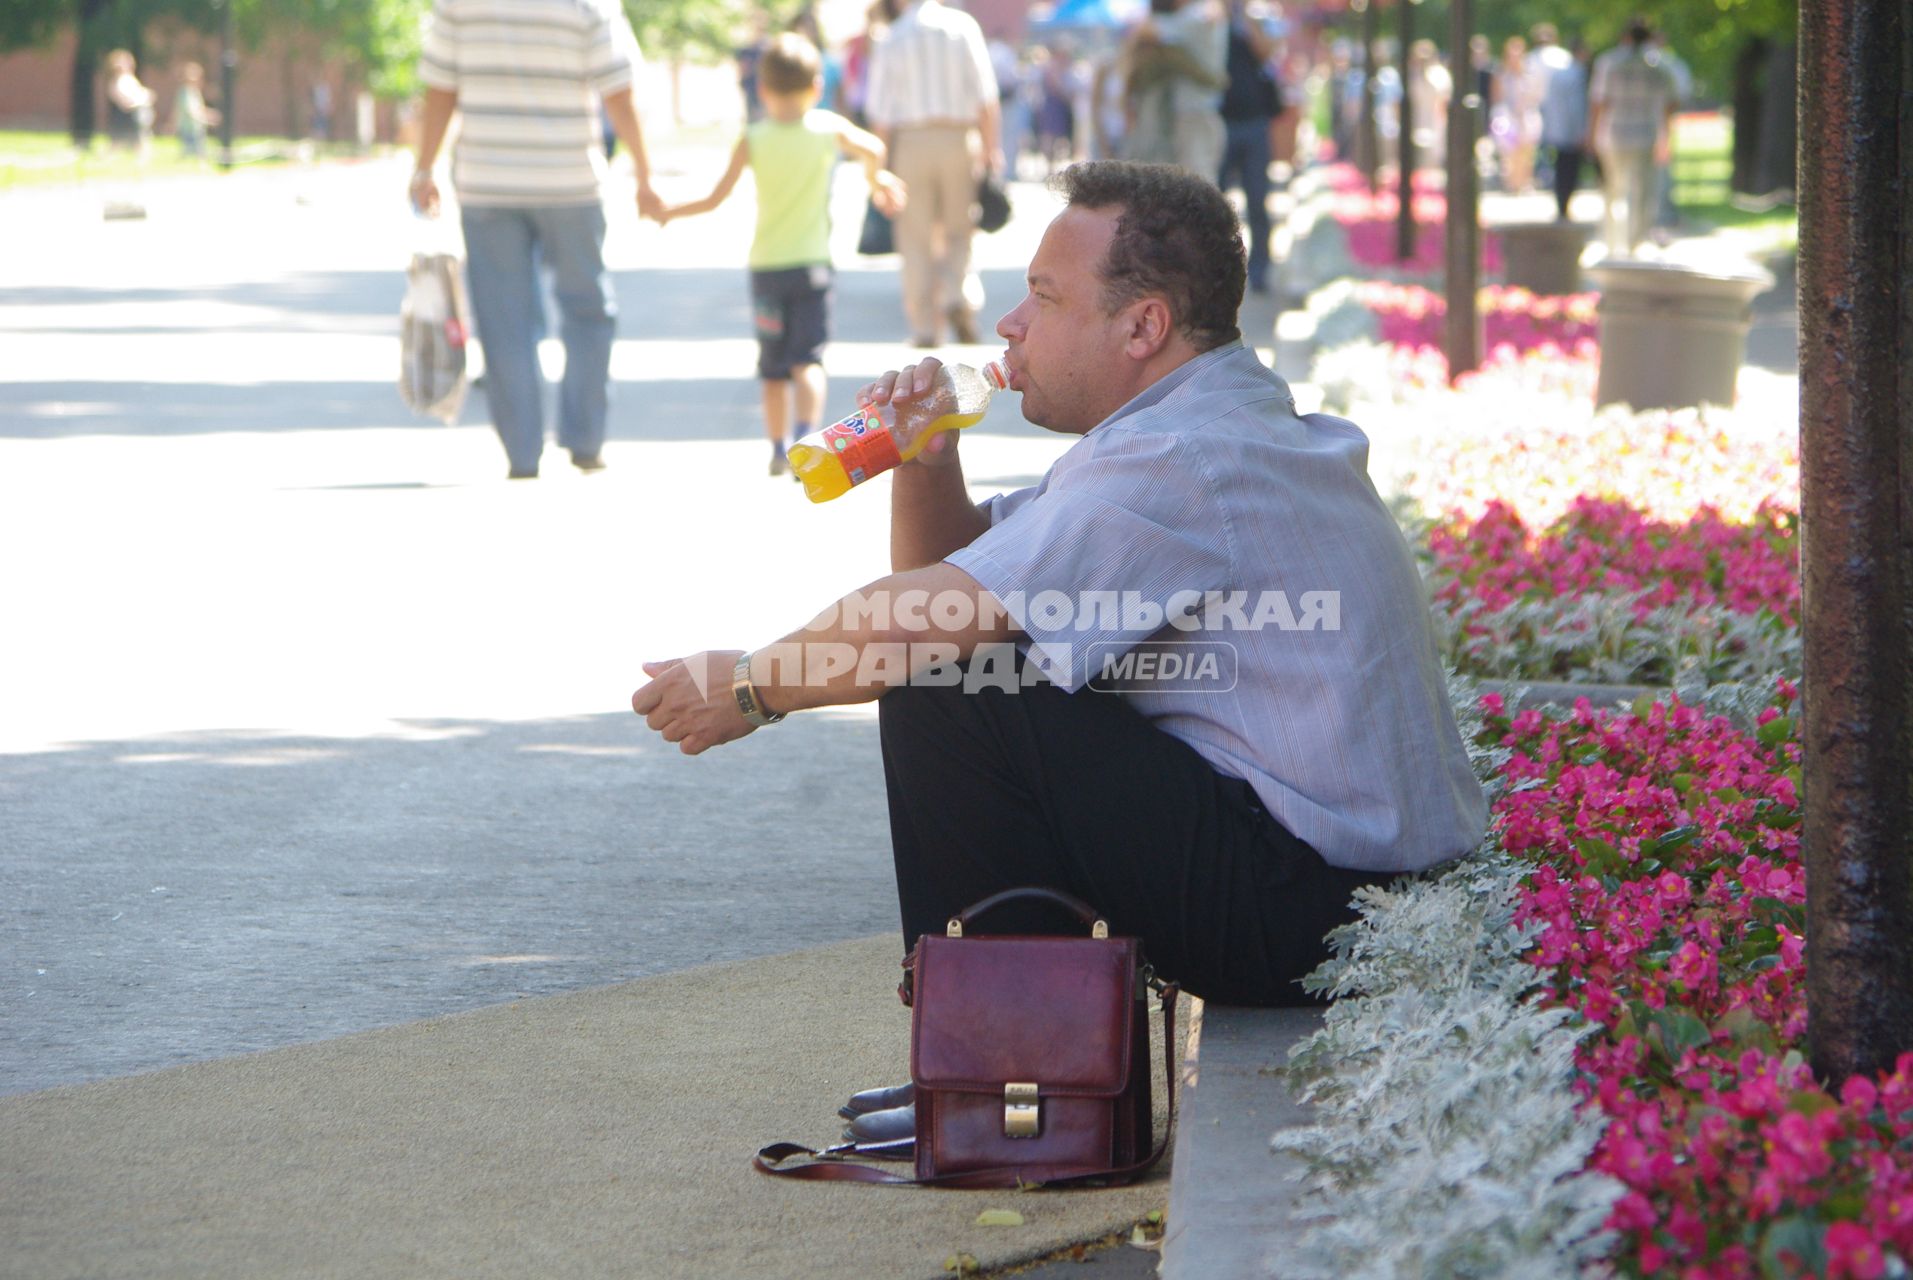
(228, 82)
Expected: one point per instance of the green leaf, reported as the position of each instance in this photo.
(1678, 837)
(999, 1218)
(1747, 1031)
(1797, 1237)
(1775, 731)
(1681, 1031)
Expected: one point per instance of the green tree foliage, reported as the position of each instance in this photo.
(702, 29)
(1707, 34)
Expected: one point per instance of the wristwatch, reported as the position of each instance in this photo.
(748, 705)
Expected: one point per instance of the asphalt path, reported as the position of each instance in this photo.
(310, 722)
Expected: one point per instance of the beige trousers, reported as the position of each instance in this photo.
(939, 165)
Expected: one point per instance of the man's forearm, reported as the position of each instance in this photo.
(876, 639)
(931, 514)
(623, 113)
(989, 124)
(436, 118)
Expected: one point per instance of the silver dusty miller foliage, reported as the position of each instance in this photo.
(1447, 1139)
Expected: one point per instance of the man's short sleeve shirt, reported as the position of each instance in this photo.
(1228, 568)
(529, 75)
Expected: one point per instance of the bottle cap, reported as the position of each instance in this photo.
(998, 372)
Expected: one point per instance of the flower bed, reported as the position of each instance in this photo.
(1523, 431)
(1514, 320)
(1602, 546)
(1669, 902)
(1368, 221)
(1644, 867)
(1611, 595)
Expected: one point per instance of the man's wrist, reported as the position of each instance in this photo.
(750, 703)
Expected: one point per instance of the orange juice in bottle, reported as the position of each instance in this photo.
(849, 451)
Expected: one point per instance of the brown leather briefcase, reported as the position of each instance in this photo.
(1030, 1056)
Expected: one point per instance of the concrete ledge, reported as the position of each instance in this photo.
(1232, 1199)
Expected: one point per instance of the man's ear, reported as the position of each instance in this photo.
(1148, 328)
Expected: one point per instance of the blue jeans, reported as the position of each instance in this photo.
(1245, 150)
(505, 251)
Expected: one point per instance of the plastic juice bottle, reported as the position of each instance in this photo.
(849, 451)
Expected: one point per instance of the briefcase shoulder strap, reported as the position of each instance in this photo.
(843, 1164)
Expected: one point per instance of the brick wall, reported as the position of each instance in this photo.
(274, 86)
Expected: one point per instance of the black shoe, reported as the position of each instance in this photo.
(896, 1095)
(893, 1125)
(587, 462)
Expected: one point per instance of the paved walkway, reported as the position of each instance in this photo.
(315, 727)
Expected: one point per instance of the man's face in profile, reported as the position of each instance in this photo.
(1065, 350)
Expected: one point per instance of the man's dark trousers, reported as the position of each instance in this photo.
(992, 788)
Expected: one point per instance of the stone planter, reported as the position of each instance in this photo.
(1543, 257)
(1672, 336)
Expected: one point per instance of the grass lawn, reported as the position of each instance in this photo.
(1703, 165)
(37, 159)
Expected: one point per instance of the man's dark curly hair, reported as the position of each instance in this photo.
(1176, 237)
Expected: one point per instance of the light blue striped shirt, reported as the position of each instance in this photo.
(1206, 496)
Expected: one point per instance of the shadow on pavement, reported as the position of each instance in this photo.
(199, 895)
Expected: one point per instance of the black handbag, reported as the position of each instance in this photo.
(878, 236)
(992, 204)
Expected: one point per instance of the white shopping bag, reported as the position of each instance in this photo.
(433, 329)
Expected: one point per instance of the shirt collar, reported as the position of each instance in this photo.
(1162, 388)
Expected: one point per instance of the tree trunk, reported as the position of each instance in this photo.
(1856, 520)
(82, 118)
(1774, 165)
(1748, 68)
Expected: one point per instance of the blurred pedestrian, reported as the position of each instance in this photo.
(1514, 119)
(1429, 89)
(858, 51)
(129, 105)
(1631, 100)
(807, 25)
(791, 153)
(1250, 105)
(1012, 101)
(191, 116)
(528, 168)
(1666, 215)
(747, 55)
(933, 102)
(1564, 124)
(1545, 57)
(321, 111)
(1056, 108)
(1176, 69)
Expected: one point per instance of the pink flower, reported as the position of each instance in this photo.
(1852, 1251)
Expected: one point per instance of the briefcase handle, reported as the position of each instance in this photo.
(961, 922)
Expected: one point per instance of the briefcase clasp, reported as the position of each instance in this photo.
(1020, 1111)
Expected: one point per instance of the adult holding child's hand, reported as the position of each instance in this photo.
(528, 81)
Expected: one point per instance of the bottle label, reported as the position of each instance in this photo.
(862, 444)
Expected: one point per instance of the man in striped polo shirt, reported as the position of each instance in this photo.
(527, 76)
(933, 101)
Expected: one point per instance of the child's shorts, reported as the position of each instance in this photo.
(791, 307)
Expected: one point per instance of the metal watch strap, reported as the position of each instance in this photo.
(745, 692)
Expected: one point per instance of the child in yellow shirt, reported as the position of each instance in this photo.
(791, 152)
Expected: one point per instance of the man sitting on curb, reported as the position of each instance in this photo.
(1189, 677)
